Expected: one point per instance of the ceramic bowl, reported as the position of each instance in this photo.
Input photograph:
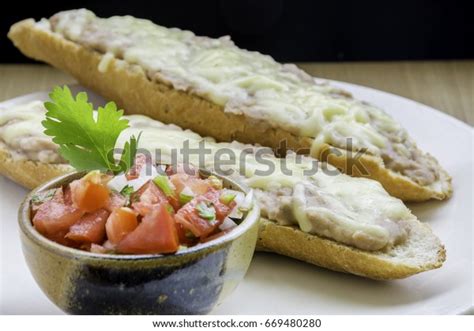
(192, 281)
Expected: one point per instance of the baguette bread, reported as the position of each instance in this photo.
(129, 85)
(28, 173)
(421, 251)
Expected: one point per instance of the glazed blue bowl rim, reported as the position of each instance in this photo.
(27, 228)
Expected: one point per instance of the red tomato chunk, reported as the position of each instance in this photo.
(89, 196)
(53, 217)
(121, 222)
(190, 218)
(140, 163)
(197, 185)
(163, 214)
(90, 228)
(155, 234)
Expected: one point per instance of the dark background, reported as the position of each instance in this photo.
(293, 30)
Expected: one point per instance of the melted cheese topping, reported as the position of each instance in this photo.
(242, 81)
(21, 133)
(354, 211)
(248, 83)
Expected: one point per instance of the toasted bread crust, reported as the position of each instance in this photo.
(292, 242)
(395, 184)
(129, 86)
(284, 240)
(27, 173)
(131, 89)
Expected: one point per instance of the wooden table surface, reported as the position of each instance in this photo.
(445, 85)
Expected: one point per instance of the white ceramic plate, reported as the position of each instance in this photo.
(279, 285)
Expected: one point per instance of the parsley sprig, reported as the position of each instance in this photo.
(85, 140)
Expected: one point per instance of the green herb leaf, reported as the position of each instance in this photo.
(127, 190)
(169, 209)
(164, 184)
(227, 198)
(129, 152)
(184, 199)
(44, 196)
(86, 142)
(185, 196)
(206, 210)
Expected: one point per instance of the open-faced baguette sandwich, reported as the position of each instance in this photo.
(310, 211)
(216, 89)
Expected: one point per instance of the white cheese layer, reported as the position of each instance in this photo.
(248, 83)
(313, 196)
(242, 81)
(22, 133)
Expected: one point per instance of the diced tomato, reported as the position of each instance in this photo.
(60, 238)
(40, 198)
(90, 228)
(215, 236)
(140, 162)
(53, 219)
(89, 195)
(155, 234)
(190, 219)
(168, 190)
(174, 202)
(149, 193)
(120, 222)
(197, 185)
(87, 215)
(116, 201)
(142, 208)
(188, 240)
(145, 208)
(63, 195)
(222, 210)
(34, 208)
(170, 170)
(59, 195)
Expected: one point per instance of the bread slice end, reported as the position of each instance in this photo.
(27, 173)
(161, 102)
(400, 262)
(422, 251)
(395, 184)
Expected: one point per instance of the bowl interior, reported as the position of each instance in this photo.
(26, 226)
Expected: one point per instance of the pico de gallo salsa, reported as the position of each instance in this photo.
(136, 213)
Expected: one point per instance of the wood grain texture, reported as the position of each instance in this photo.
(444, 85)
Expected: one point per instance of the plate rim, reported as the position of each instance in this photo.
(467, 308)
(425, 107)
